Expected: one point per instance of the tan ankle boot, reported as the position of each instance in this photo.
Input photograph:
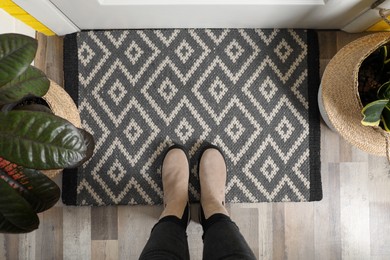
(175, 177)
(212, 177)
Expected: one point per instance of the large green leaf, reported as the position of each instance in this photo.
(35, 187)
(7, 227)
(16, 214)
(89, 144)
(372, 112)
(32, 82)
(16, 54)
(39, 140)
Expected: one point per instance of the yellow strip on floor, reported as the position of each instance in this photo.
(17, 12)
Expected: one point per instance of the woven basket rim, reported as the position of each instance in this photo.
(340, 95)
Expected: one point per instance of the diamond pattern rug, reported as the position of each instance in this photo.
(252, 92)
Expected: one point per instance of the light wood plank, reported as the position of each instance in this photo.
(54, 59)
(345, 148)
(9, 244)
(195, 242)
(278, 231)
(327, 238)
(328, 39)
(3, 247)
(27, 245)
(349, 153)
(299, 234)
(42, 52)
(329, 145)
(379, 186)
(194, 233)
(77, 233)
(105, 250)
(354, 210)
(380, 228)
(379, 179)
(265, 230)
(104, 223)
(12, 242)
(134, 226)
(359, 155)
(49, 57)
(50, 234)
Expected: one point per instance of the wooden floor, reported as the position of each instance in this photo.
(351, 222)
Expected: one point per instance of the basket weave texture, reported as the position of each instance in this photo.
(340, 95)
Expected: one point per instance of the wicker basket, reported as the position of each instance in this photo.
(62, 105)
(340, 99)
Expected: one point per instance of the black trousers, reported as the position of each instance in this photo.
(222, 240)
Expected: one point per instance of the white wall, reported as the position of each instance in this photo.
(9, 24)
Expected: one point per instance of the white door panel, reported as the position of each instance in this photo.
(111, 14)
(120, 14)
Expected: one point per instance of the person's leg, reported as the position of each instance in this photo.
(222, 238)
(168, 239)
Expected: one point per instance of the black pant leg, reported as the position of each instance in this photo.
(223, 240)
(168, 240)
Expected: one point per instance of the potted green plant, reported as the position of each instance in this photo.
(374, 88)
(346, 92)
(31, 138)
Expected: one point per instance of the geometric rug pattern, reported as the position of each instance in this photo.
(252, 92)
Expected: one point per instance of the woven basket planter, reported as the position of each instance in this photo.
(339, 99)
(62, 105)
